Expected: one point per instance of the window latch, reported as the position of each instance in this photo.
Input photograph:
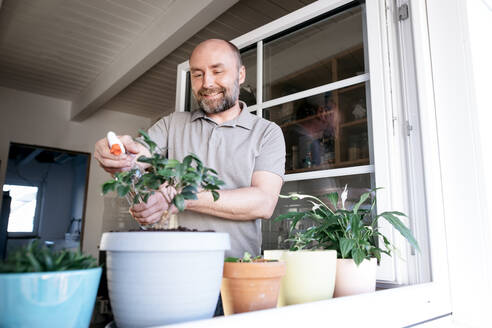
(409, 128)
(403, 12)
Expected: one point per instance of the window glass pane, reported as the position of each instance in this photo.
(247, 91)
(190, 103)
(248, 88)
(324, 52)
(22, 208)
(275, 233)
(324, 131)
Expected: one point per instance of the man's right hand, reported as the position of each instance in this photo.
(117, 163)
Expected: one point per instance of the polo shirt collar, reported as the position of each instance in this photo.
(245, 118)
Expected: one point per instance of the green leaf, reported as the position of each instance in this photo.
(187, 161)
(346, 246)
(179, 202)
(108, 186)
(362, 199)
(358, 256)
(189, 195)
(288, 216)
(172, 163)
(123, 190)
(215, 195)
(231, 259)
(333, 198)
(398, 225)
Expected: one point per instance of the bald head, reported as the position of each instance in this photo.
(223, 45)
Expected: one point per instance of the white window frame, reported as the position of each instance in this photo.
(411, 304)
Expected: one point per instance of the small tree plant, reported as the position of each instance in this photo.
(187, 177)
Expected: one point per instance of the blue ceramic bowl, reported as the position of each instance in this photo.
(48, 299)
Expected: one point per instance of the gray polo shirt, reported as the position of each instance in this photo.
(235, 149)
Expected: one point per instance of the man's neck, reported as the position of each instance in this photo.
(226, 115)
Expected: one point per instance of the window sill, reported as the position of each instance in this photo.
(397, 307)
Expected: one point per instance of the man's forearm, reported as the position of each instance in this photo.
(238, 204)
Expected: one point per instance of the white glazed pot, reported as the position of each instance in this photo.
(310, 276)
(157, 278)
(352, 279)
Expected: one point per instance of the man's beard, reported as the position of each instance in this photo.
(214, 106)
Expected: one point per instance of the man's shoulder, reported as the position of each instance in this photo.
(176, 118)
(264, 124)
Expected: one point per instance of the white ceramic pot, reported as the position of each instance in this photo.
(157, 278)
(310, 276)
(352, 279)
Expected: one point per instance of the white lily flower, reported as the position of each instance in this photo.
(344, 196)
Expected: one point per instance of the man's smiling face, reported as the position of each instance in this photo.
(215, 76)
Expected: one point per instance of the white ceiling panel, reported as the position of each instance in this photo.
(60, 48)
(65, 44)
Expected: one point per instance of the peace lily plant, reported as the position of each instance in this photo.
(352, 233)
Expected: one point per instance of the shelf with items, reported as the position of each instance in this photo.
(305, 119)
(334, 122)
(328, 166)
(362, 121)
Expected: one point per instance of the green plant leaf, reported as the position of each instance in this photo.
(358, 256)
(333, 198)
(398, 225)
(362, 199)
(179, 202)
(123, 190)
(231, 259)
(108, 186)
(346, 246)
(215, 195)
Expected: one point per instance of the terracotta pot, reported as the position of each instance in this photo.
(352, 279)
(277, 254)
(310, 276)
(251, 286)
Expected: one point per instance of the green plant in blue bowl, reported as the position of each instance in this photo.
(43, 288)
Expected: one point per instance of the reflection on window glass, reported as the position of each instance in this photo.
(248, 88)
(324, 131)
(275, 233)
(247, 92)
(325, 52)
(22, 207)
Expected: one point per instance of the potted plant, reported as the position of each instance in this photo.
(352, 233)
(42, 288)
(250, 284)
(158, 276)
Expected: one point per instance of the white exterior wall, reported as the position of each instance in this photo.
(38, 120)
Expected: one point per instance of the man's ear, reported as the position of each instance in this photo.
(242, 74)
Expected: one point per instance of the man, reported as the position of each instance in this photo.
(248, 152)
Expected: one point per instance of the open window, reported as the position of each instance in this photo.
(339, 78)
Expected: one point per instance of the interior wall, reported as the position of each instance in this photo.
(39, 120)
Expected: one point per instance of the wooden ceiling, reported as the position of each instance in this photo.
(59, 47)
